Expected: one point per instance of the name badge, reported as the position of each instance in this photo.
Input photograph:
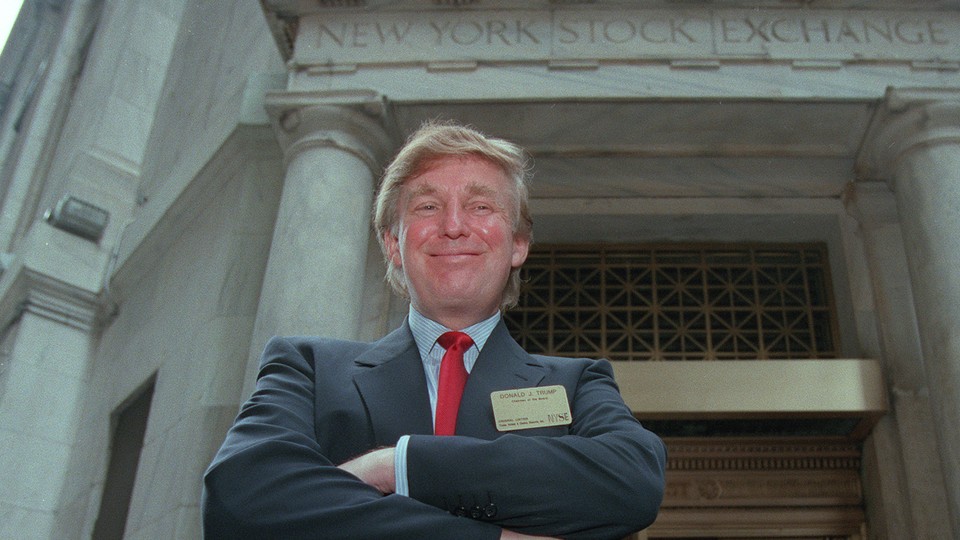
(526, 408)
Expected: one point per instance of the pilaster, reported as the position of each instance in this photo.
(51, 296)
(904, 443)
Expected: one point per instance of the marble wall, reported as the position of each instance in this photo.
(192, 194)
(187, 320)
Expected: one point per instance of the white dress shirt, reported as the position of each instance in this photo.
(425, 334)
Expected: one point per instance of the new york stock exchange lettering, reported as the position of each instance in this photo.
(386, 37)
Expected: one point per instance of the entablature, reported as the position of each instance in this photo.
(343, 37)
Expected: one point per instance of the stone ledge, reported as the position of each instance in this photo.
(756, 389)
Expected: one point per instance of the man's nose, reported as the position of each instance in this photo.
(453, 222)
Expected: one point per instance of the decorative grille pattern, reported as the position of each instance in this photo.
(677, 302)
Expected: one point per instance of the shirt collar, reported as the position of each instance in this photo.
(427, 331)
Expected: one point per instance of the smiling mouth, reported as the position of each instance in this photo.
(454, 255)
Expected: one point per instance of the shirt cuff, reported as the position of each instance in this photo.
(400, 466)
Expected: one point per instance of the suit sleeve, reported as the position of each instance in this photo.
(271, 480)
(605, 479)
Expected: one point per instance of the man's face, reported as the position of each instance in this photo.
(454, 242)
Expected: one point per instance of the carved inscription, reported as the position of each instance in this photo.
(522, 35)
(489, 32)
(359, 35)
(900, 31)
(619, 31)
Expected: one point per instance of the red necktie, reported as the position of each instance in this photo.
(453, 376)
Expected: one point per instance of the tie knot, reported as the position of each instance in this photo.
(457, 341)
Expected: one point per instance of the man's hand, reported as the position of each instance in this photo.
(374, 468)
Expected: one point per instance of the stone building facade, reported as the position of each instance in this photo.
(181, 180)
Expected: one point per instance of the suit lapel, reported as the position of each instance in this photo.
(392, 386)
(502, 365)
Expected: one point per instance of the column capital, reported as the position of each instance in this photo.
(907, 118)
(355, 122)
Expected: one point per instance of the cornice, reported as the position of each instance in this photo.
(27, 290)
(64, 303)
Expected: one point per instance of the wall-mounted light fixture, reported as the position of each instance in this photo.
(78, 217)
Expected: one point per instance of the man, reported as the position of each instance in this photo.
(372, 440)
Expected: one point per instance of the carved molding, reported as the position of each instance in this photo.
(28, 290)
(761, 456)
(64, 303)
(762, 473)
(762, 488)
(356, 123)
(830, 523)
(908, 118)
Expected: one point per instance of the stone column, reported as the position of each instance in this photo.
(914, 144)
(314, 278)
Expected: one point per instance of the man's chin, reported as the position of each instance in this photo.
(464, 301)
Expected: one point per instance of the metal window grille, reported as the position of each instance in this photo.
(677, 302)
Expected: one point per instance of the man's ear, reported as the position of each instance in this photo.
(521, 247)
(392, 245)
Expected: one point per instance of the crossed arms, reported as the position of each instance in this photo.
(273, 476)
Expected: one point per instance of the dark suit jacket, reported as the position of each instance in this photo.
(319, 402)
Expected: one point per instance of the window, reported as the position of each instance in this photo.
(677, 302)
(129, 426)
